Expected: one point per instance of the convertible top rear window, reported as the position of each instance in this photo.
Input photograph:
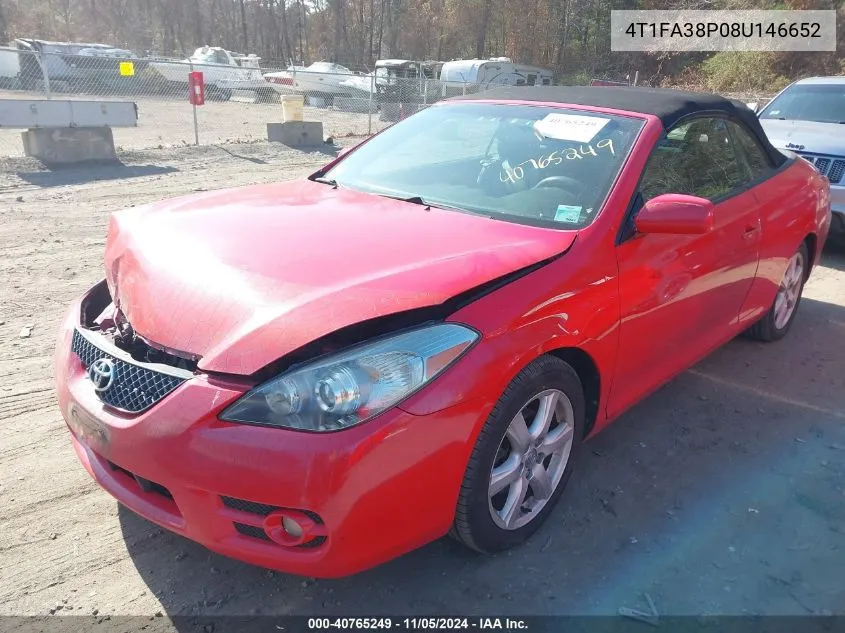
(523, 163)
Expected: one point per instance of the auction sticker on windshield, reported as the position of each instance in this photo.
(570, 127)
(568, 214)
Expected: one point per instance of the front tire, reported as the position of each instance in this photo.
(523, 457)
(777, 321)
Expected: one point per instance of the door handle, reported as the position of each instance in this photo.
(751, 231)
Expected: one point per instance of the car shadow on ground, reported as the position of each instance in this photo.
(722, 493)
(76, 175)
(834, 253)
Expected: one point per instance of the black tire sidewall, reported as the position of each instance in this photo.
(545, 373)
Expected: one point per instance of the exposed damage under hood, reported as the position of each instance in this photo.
(237, 279)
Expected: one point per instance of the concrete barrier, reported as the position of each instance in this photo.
(71, 131)
(58, 146)
(296, 133)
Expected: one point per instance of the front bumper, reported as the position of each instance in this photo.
(379, 490)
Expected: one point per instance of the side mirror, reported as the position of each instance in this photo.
(676, 214)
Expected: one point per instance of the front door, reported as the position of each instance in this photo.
(680, 295)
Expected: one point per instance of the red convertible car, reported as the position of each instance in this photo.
(318, 376)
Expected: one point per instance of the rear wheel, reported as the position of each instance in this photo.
(777, 321)
(523, 457)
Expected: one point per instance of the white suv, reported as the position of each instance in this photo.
(808, 118)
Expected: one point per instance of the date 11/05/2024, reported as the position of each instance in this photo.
(417, 623)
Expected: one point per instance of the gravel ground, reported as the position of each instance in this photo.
(724, 493)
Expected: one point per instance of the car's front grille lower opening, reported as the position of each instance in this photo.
(250, 507)
(145, 485)
(251, 531)
(262, 510)
(313, 543)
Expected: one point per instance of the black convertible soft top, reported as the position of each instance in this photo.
(668, 105)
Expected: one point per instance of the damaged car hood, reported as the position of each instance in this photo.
(242, 277)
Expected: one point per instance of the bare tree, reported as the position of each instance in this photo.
(481, 38)
(244, 27)
(568, 35)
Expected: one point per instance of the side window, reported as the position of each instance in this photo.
(697, 158)
(750, 149)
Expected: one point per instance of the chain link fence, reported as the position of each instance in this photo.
(241, 95)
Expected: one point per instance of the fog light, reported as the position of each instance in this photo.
(292, 527)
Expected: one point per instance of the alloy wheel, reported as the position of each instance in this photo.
(531, 459)
(789, 291)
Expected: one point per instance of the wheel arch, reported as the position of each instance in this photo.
(811, 240)
(588, 373)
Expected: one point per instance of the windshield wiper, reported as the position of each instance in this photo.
(437, 205)
(412, 199)
(326, 181)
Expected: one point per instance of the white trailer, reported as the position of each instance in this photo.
(472, 75)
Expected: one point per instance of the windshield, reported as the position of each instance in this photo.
(823, 103)
(529, 164)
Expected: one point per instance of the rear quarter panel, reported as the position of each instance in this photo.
(794, 204)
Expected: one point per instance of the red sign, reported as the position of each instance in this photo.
(196, 88)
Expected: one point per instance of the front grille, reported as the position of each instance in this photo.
(831, 166)
(837, 171)
(134, 388)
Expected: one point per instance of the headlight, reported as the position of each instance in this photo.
(345, 389)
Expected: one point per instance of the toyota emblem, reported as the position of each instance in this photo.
(101, 372)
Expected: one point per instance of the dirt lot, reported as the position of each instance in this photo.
(724, 493)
